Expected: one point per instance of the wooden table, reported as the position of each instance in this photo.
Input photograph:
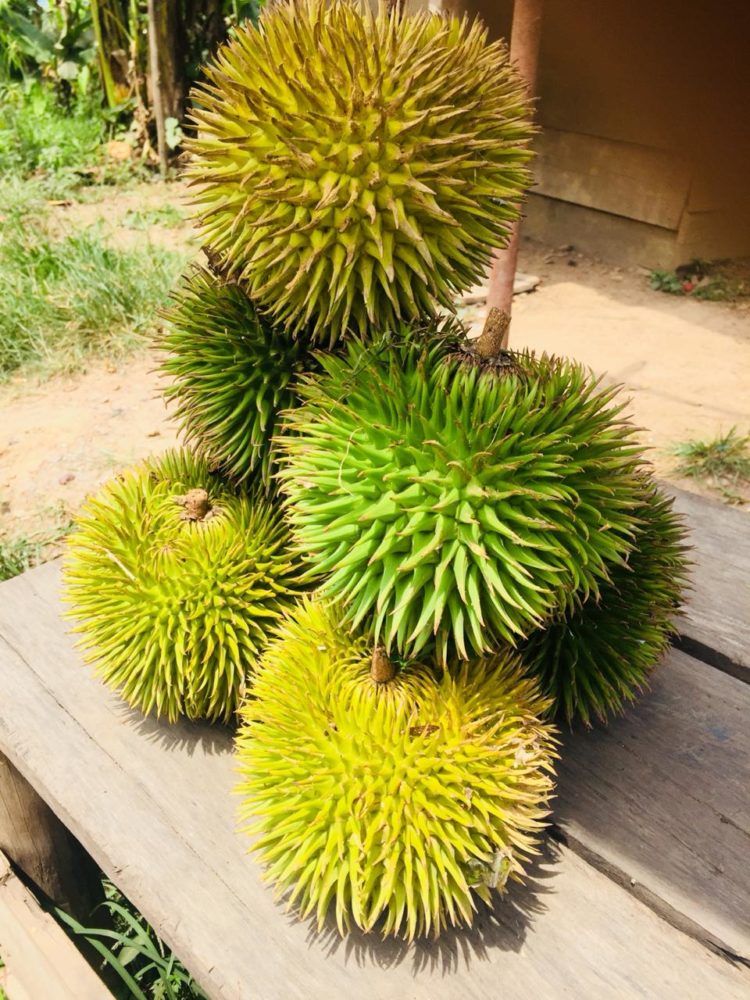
(642, 889)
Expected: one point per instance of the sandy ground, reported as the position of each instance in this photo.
(685, 364)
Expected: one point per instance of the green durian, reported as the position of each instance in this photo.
(356, 168)
(391, 802)
(596, 658)
(445, 502)
(229, 372)
(174, 582)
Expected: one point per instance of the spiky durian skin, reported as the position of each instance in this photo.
(449, 503)
(175, 613)
(390, 803)
(230, 373)
(355, 168)
(596, 658)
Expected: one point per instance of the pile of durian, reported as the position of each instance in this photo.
(396, 557)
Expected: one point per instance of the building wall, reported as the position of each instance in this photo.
(645, 114)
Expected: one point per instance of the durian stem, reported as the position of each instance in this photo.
(526, 31)
(381, 670)
(196, 504)
(494, 336)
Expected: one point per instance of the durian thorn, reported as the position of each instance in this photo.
(382, 670)
(494, 337)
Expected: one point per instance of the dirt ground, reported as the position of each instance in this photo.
(684, 363)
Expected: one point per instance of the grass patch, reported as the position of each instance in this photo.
(23, 552)
(131, 953)
(37, 134)
(723, 462)
(58, 149)
(164, 215)
(70, 297)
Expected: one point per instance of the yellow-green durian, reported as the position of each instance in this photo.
(391, 803)
(354, 168)
(174, 581)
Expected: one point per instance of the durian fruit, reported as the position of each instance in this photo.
(449, 503)
(355, 168)
(597, 657)
(174, 582)
(391, 795)
(230, 372)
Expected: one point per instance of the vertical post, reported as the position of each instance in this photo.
(42, 848)
(524, 52)
(156, 94)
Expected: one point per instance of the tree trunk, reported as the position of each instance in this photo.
(215, 27)
(155, 12)
(43, 849)
(524, 52)
(170, 45)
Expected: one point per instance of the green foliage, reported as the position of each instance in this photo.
(54, 40)
(38, 134)
(230, 373)
(700, 279)
(724, 462)
(596, 658)
(355, 169)
(131, 951)
(448, 502)
(392, 803)
(69, 297)
(173, 601)
(19, 554)
(22, 552)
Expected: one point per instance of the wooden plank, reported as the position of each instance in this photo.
(41, 961)
(662, 796)
(624, 178)
(153, 804)
(716, 623)
(42, 849)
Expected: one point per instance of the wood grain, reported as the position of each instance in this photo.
(153, 804)
(662, 795)
(41, 961)
(624, 178)
(716, 622)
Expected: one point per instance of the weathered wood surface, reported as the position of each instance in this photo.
(716, 623)
(662, 796)
(153, 804)
(41, 962)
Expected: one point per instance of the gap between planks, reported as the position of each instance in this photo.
(40, 960)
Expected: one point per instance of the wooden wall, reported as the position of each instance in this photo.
(644, 109)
